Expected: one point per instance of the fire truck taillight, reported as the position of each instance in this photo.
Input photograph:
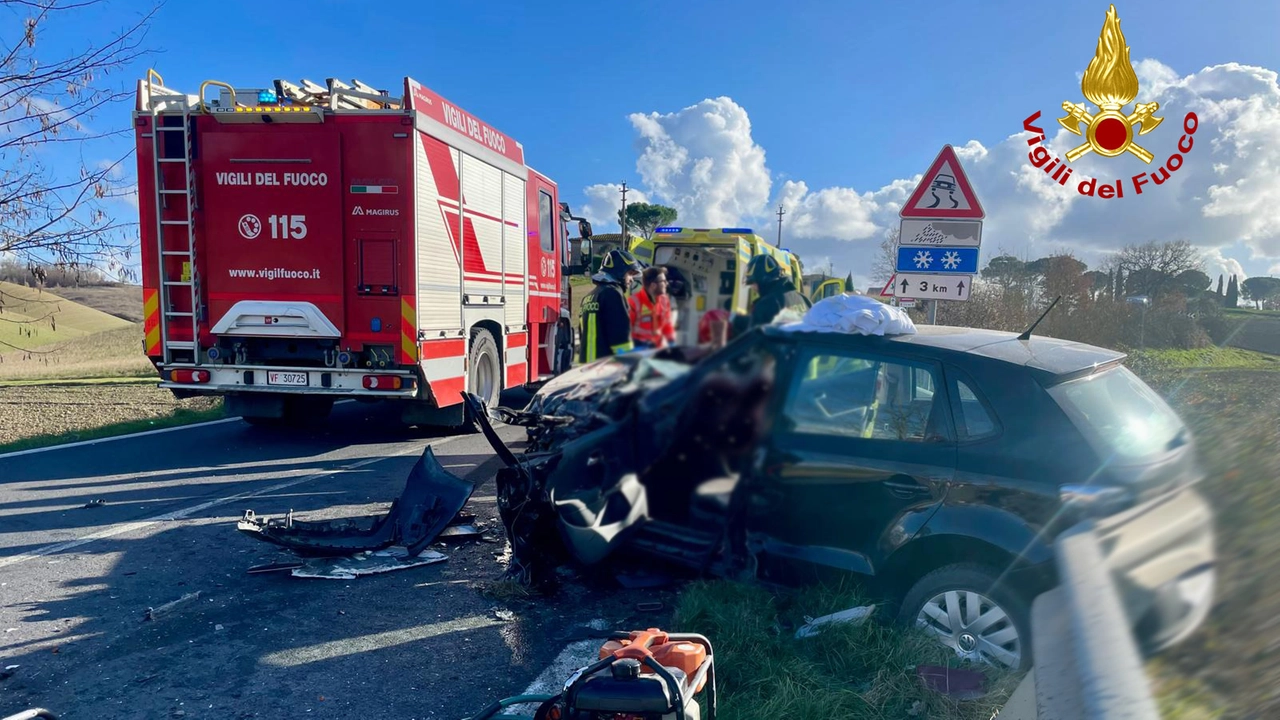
(189, 376)
(382, 382)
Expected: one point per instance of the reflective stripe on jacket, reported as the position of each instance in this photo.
(651, 320)
(605, 327)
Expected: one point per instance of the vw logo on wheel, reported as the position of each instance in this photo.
(250, 226)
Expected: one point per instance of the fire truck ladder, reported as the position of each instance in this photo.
(186, 195)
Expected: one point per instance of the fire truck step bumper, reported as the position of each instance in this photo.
(346, 382)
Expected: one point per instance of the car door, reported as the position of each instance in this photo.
(861, 455)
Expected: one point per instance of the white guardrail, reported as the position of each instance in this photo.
(1087, 664)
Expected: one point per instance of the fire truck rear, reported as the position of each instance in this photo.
(304, 243)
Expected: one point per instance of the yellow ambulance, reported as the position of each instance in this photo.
(706, 269)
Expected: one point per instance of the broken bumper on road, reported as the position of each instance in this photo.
(432, 497)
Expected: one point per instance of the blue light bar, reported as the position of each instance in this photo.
(267, 97)
(737, 231)
(667, 230)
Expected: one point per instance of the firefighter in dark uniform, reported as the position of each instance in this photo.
(606, 321)
(775, 293)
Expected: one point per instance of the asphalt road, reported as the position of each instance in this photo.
(76, 582)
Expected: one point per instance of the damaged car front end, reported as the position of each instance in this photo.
(616, 450)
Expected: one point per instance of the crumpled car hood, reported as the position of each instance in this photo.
(587, 397)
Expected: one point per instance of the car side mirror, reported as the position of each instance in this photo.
(584, 230)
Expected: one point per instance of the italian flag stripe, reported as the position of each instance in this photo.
(375, 189)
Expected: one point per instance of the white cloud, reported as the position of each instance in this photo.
(1215, 264)
(604, 200)
(55, 113)
(1225, 198)
(703, 161)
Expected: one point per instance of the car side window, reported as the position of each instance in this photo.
(973, 419)
(864, 397)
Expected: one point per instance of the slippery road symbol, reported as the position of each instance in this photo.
(946, 184)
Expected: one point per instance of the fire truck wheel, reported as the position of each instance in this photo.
(484, 379)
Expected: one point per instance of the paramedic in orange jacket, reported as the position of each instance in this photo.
(651, 324)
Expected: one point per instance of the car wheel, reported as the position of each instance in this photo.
(970, 613)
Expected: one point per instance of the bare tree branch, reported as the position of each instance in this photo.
(53, 212)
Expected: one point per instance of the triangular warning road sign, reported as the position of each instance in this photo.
(943, 192)
(888, 287)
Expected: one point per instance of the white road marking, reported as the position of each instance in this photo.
(574, 655)
(185, 512)
(144, 433)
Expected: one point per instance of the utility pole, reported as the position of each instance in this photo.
(624, 216)
(781, 212)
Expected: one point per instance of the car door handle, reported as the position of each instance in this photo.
(906, 489)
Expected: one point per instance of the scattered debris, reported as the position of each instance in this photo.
(958, 683)
(154, 612)
(218, 627)
(431, 499)
(368, 563)
(8, 671)
(813, 626)
(459, 532)
(93, 504)
(654, 606)
(274, 567)
(504, 614)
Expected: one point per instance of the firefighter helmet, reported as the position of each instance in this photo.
(616, 265)
(764, 269)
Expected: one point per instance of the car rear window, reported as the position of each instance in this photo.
(1119, 414)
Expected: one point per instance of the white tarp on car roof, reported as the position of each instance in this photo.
(855, 314)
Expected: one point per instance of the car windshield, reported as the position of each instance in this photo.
(1119, 414)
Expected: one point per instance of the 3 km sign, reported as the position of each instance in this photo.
(940, 235)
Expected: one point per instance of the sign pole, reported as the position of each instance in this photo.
(933, 313)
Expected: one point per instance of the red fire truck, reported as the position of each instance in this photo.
(303, 243)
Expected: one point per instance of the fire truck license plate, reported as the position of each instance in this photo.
(286, 378)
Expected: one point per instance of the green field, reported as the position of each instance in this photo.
(109, 354)
(33, 319)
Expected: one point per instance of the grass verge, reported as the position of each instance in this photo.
(76, 382)
(848, 671)
(110, 353)
(179, 416)
(1231, 666)
(1151, 362)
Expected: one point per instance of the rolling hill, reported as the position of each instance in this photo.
(32, 318)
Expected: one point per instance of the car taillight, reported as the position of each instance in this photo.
(190, 376)
(381, 382)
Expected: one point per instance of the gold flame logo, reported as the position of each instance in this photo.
(1110, 83)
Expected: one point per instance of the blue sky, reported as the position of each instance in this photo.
(842, 96)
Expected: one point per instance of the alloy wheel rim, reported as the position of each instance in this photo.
(974, 626)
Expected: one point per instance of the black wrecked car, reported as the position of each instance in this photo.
(936, 467)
